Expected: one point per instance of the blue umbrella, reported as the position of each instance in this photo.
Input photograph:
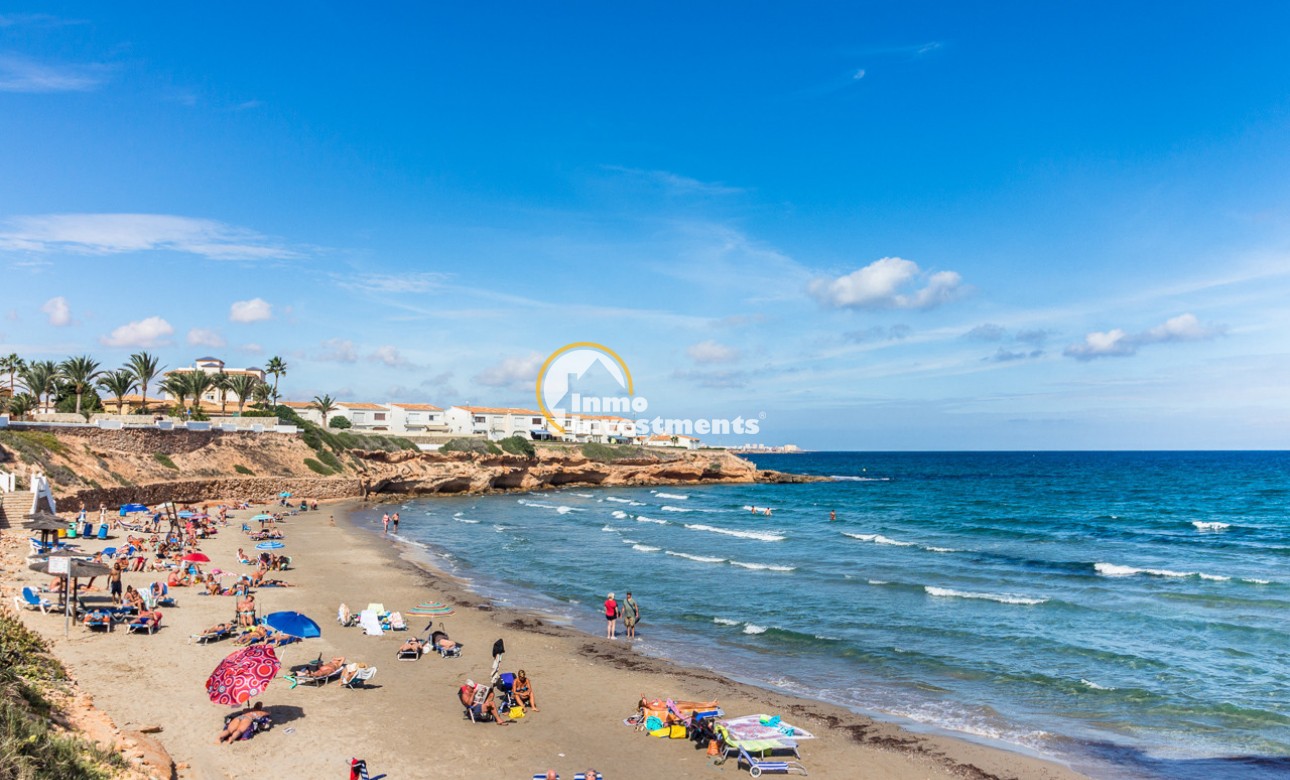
(269, 546)
(185, 514)
(293, 623)
(128, 508)
(285, 494)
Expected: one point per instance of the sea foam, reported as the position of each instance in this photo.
(673, 496)
(880, 539)
(763, 536)
(763, 566)
(1203, 526)
(963, 594)
(699, 558)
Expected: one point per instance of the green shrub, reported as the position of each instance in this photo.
(165, 460)
(317, 467)
(518, 445)
(609, 453)
(477, 446)
(29, 747)
(340, 422)
(328, 457)
(239, 468)
(257, 413)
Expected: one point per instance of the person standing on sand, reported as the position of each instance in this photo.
(631, 614)
(611, 616)
(114, 583)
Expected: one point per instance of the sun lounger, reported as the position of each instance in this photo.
(30, 600)
(213, 636)
(95, 620)
(360, 678)
(147, 623)
(413, 654)
(397, 623)
(585, 776)
(756, 766)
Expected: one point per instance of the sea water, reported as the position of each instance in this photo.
(1124, 612)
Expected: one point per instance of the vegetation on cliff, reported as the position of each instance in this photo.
(30, 745)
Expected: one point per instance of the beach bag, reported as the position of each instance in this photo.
(676, 731)
(516, 713)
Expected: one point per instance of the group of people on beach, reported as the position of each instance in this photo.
(629, 611)
(390, 522)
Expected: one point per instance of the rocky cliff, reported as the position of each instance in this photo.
(114, 467)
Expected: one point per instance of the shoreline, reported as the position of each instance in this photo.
(409, 723)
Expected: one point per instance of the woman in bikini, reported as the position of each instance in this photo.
(523, 691)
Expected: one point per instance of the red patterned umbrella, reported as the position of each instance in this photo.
(196, 557)
(243, 675)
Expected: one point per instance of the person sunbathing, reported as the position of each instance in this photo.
(321, 670)
(260, 581)
(487, 708)
(240, 726)
(523, 690)
(414, 645)
(133, 599)
(148, 620)
(218, 628)
(440, 639)
(265, 636)
(212, 585)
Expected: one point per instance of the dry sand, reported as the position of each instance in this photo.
(410, 725)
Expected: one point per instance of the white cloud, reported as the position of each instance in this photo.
(107, 234)
(675, 183)
(859, 74)
(147, 333)
(338, 351)
(511, 372)
(715, 379)
(889, 283)
(390, 356)
(252, 348)
(1118, 343)
(205, 337)
(253, 310)
(712, 352)
(987, 332)
(59, 312)
(412, 282)
(22, 74)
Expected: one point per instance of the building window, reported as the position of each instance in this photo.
(378, 415)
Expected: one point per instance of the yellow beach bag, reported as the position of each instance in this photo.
(676, 731)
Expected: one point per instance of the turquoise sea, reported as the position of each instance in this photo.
(1123, 612)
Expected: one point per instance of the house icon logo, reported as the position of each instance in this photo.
(585, 378)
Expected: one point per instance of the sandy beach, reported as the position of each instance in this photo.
(408, 723)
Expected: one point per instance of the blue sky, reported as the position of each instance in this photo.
(901, 226)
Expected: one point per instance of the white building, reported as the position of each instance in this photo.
(417, 418)
(603, 428)
(495, 422)
(675, 441)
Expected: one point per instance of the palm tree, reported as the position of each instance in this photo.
(40, 377)
(80, 373)
(219, 380)
(12, 365)
(242, 386)
(176, 384)
(22, 403)
(145, 368)
(325, 406)
(260, 394)
(119, 383)
(198, 383)
(276, 367)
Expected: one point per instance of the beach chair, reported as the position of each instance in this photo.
(98, 619)
(413, 655)
(30, 600)
(371, 623)
(585, 776)
(360, 678)
(445, 652)
(345, 617)
(147, 623)
(213, 636)
(397, 623)
(477, 700)
(756, 766)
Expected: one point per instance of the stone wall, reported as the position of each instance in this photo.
(191, 491)
(146, 441)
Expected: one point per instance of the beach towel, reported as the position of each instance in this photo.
(370, 622)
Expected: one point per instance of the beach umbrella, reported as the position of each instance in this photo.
(128, 508)
(196, 557)
(53, 521)
(185, 514)
(243, 675)
(77, 568)
(269, 546)
(293, 623)
(285, 494)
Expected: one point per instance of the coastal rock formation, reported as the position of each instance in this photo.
(113, 467)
